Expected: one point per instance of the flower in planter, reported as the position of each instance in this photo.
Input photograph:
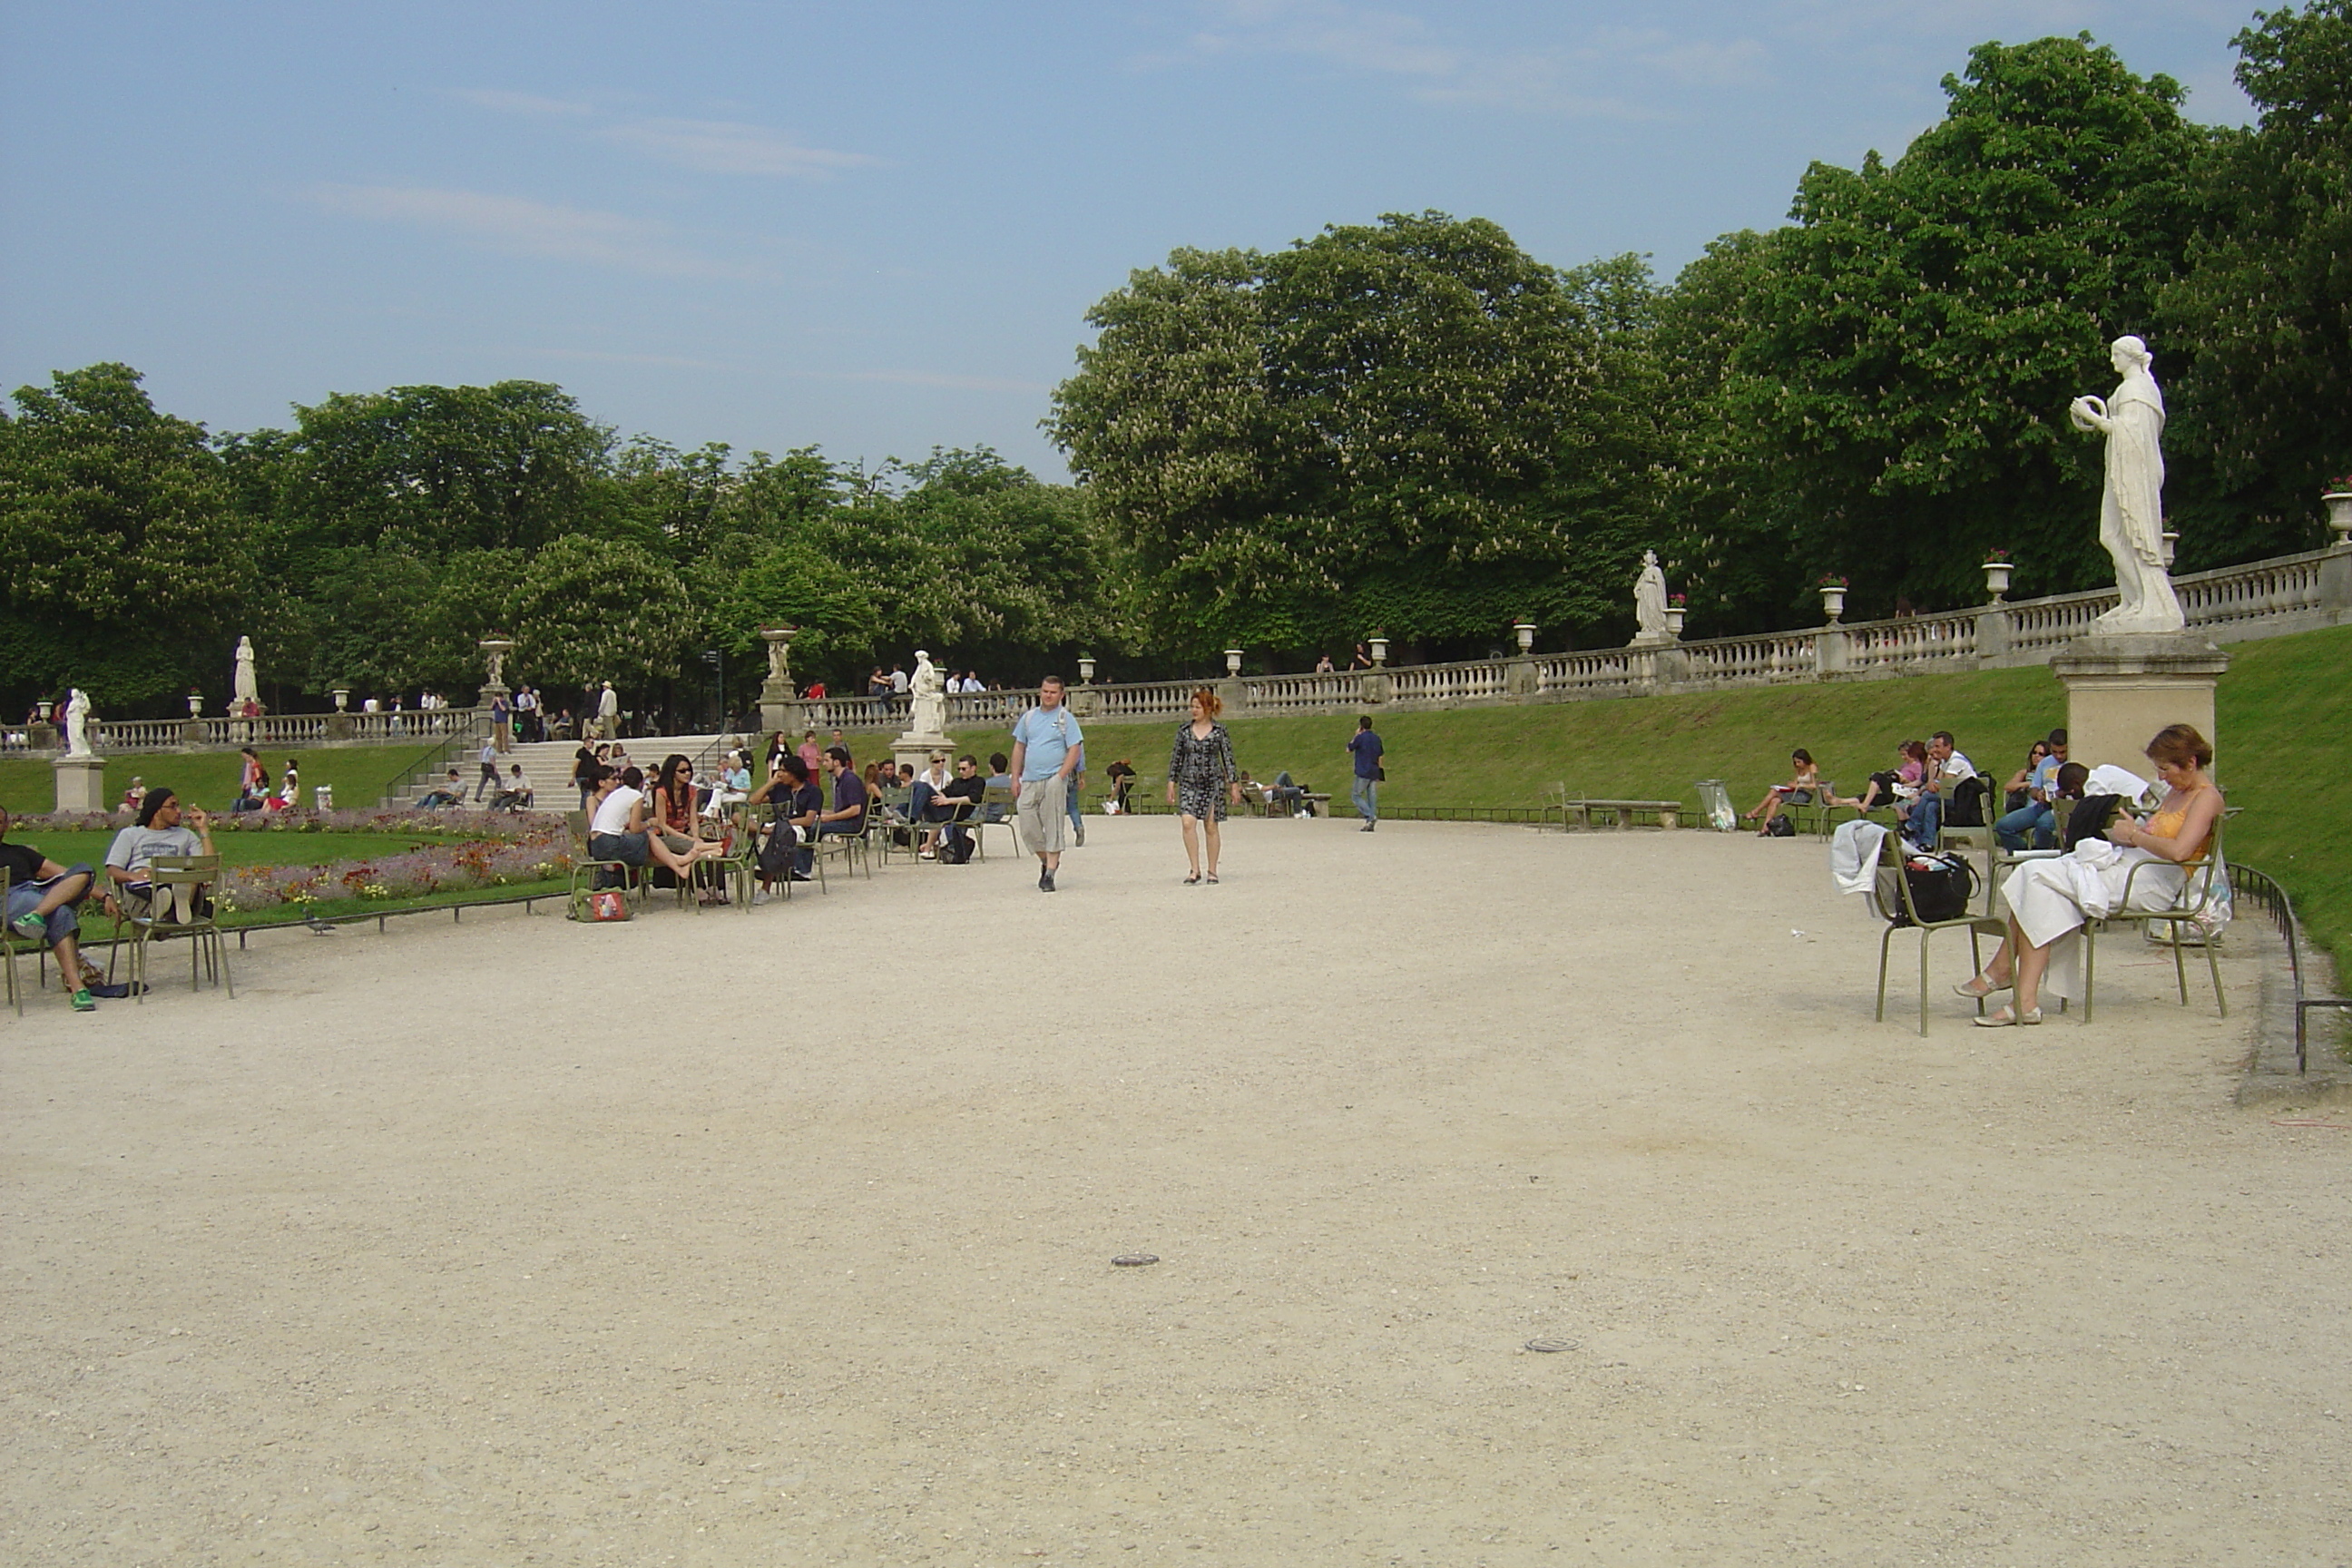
(1833, 581)
(2339, 487)
(1676, 602)
(1996, 557)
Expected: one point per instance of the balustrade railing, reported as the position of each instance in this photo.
(2260, 598)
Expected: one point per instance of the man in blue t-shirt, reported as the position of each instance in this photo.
(1045, 753)
(1366, 748)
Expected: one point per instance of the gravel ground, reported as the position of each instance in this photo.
(522, 1241)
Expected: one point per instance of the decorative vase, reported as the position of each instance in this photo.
(1832, 605)
(1996, 579)
(1525, 632)
(1674, 614)
(2339, 516)
(2172, 542)
(342, 699)
(1233, 661)
(1380, 651)
(195, 704)
(1085, 670)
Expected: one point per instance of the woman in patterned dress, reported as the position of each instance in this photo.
(1201, 778)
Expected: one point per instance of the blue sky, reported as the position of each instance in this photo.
(872, 226)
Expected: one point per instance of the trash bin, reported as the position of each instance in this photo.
(1716, 801)
(325, 796)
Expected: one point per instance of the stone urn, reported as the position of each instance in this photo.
(1996, 579)
(1525, 632)
(195, 704)
(1833, 603)
(1233, 661)
(1674, 614)
(1379, 652)
(343, 695)
(1085, 670)
(2172, 546)
(2339, 517)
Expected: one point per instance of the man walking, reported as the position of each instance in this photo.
(1366, 748)
(1045, 750)
(608, 712)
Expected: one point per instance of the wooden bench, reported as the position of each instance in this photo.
(1622, 814)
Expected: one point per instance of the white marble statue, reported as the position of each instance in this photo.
(2131, 511)
(1650, 601)
(248, 689)
(928, 714)
(77, 724)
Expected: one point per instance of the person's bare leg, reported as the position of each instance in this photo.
(1208, 826)
(68, 953)
(2033, 964)
(1192, 843)
(677, 864)
(69, 889)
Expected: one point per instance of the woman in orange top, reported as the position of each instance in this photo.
(2047, 898)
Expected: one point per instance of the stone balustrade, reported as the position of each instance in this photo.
(2260, 599)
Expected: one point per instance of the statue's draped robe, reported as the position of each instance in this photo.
(2131, 513)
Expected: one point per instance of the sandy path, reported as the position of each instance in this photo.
(522, 1241)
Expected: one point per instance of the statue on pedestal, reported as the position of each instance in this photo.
(1650, 601)
(2131, 510)
(247, 689)
(928, 714)
(77, 724)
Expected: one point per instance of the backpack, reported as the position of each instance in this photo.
(1781, 828)
(1967, 809)
(2089, 819)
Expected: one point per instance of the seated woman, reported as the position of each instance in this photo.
(2049, 900)
(669, 806)
(1897, 785)
(1800, 789)
(2019, 792)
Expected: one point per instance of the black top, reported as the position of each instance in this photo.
(965, 789)
(23, 863)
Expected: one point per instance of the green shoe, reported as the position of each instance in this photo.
(29, 927)
(83, 1002)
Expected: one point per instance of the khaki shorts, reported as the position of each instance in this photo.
(1041, 816)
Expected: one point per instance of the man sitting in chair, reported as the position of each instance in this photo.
(159, 830)
(43, 901)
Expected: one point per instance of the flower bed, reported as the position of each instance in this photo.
(541, 855)
(500, 826)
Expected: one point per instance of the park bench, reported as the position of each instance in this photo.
(1620, 814)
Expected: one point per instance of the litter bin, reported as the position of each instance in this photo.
(1716, 801)
(325, 797)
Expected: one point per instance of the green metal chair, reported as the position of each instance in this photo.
(1977, 926)
(179, 912)
(2194, 895)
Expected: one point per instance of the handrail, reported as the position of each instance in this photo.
(2266, 893)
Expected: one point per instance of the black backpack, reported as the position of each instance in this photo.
(1781, 828)
(1967, 804)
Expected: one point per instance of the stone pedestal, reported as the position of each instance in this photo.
(1375, 688)
(194, 734)
(2121, 688)
(1234, 692)
(1992, 632)
(781, 711)
(81, 783)
(1085, 702)
(339, 725)
(919, 749)
(1521, 680)
(41, 735)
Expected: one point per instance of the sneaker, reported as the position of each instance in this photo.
(1082, 833)
(1045, 882)
(1366, 828)
(83, 1002)
(29, 926)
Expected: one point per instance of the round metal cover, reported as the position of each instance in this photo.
(1548, 1347)
(1135, 1259)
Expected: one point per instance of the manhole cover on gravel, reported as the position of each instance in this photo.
(1135, 1259)
(1548, 1347)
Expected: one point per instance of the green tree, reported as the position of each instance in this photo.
(123, 548)
(1411, 424)
(1923, 325)
(2268, 297)
(586, 609)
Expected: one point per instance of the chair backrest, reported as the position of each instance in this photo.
(166, 874)
(996, 801)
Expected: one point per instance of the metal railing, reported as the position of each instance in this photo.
(2262, 890)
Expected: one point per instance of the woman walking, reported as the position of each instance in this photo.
(1201, 778)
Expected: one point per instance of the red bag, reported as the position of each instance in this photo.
(608, 904)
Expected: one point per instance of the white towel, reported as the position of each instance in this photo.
(1853, 856)
(2109, 779)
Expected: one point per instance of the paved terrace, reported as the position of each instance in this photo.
(785, 1237)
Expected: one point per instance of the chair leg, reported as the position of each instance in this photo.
(2213, 962)
(1925, 936)
(220, 946)
(2179, 960)
(2089, 968)
(1884, 937)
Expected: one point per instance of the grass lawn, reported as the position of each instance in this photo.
(359, 774)
(2285, 716)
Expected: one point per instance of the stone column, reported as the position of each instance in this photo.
(2121, 688)
(1831, 656)
(1992, 632)
(82, 782)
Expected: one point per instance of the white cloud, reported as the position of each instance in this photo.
(722, 147)
(518, 226)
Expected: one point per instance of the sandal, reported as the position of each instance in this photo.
(2005, 1017)
(1195, 876)
(1212, 878)
(1978, 987)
